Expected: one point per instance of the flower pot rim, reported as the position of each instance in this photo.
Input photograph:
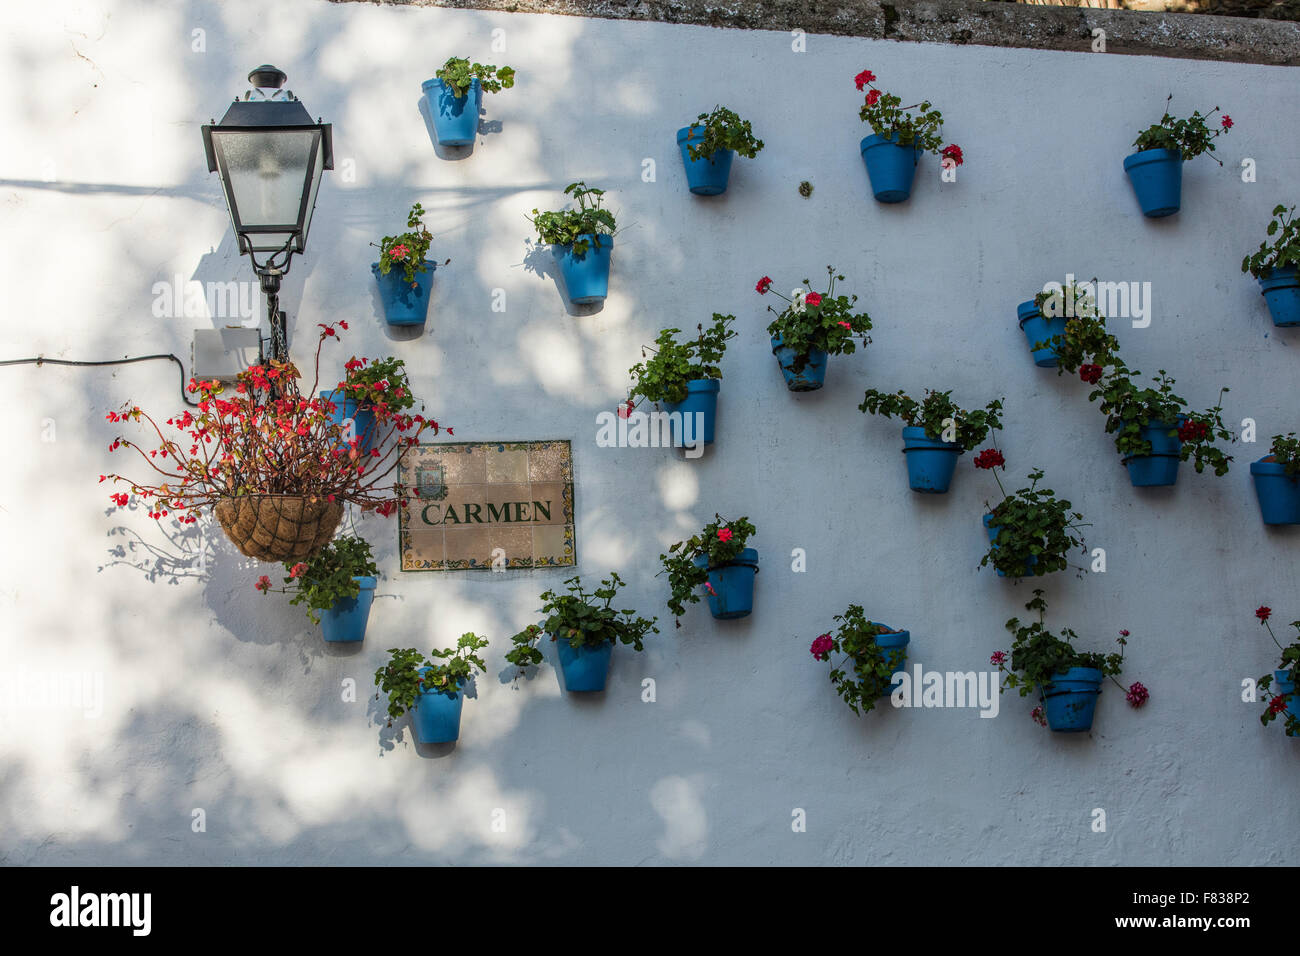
(436, 83)
(877, 139)
(606, 239)
(748, 558)
(703, 384)
(368, 582)
(933, 444)
(433, 266)
(1279, 274)
(1156, 155)
(899, 638)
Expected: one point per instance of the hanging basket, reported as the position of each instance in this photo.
(279, 527)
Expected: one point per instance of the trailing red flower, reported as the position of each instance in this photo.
(821, 647)
(999, 658)
(1263, 613)
(990, 458)
(953, 152)
(1277, 705)
(1192, 430)
(1090, 373)
(1226, 122)
(763, 285)
(873, 97)
(863, 78)
(1137, 695)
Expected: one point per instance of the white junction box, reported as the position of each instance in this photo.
(224, 353)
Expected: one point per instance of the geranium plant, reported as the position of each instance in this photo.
(812, 320)
(1285, 451)
(1129, 408)
(570, 227)
(1283, 252)
(664, 376)
(445, 671)
(1286, 706)
(265, 437)
(583, 619)
(719, 541)
(719, 130)
(941, 418)
(887, 117)
(1036, 530)
(1191, 136)
(866, 671)
(325, 578)
(1038, 655)
(407, 250)
(458, 73)
(381, 383)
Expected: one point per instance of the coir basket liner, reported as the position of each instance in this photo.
(279, 527)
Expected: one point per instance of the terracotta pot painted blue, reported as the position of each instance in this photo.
(930, 463)
(1283, 686)
(701, 399)
(993, 531)
(362, 418)
(455, 118)
(807, 379)
(403, 303)
(890, 167)
(436, 716)
(1040, 328)
(345, 621)
(732, 584)
(1157, 178)
(708, 175)
(895, 644)
(1160, 468)
(1279, 496)
(585, 667)
(586, 276)
(1281, 290)
(1070, 699)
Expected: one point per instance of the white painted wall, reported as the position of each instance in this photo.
(220, 699)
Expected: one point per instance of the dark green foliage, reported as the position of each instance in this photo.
(326, 577)
(457, 73)
(1283, 251)
(402, 681)
(938, 415)
(684, 577)
(722, 129)
(564, 228)
(582, 619)
(870, 667)
(664, 376)
(1033, 522)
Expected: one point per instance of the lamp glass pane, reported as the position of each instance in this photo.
(266, 171)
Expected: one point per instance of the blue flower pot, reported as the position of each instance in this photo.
(1070, 699)
(345, 622)
(1281, 290)
(1282, 683)
(1039, 328)
(807, 379)
(586, 276)
(436, 716)
(993, 531)
(895, 644)
(930, 463)
(890, 167)
(1157, 178)
(733, 585)
(455, 118)
(1279, 496)
(584, 667)
(1159, 468)
(706, 176)
(701, 399)
(362, 418)
(403, 303)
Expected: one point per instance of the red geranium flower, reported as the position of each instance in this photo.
(1226, 122)
(263, 584)
(821, 648)
(989, 458)
(872, 97)
(298, 570)
(845, 325)
(764, 284)
(1192, 431)
(724, 534)
(1263, 613)
(1137, 694)
(953, 152)
(1277, 705)
(812, 298)
(866, 76)
(999, 658)
(1090, 373)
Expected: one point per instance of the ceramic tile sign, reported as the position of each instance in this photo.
(482, 505)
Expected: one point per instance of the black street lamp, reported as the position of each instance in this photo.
(271, 158)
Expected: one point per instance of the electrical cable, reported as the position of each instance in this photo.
(122, 361)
